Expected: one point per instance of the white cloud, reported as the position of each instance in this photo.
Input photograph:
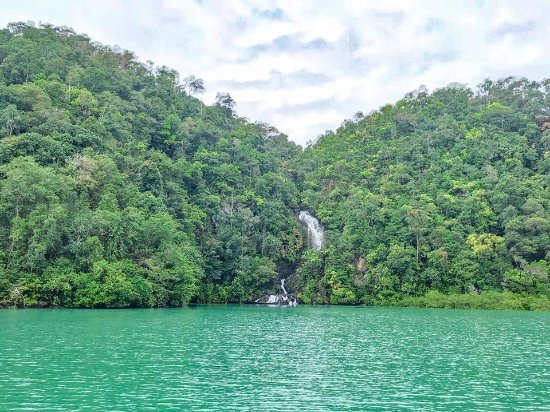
(305, 66)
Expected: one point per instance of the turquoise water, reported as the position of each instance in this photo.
(274, 358)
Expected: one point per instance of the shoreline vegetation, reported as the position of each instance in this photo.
(120, 188)
(484, 300)
(491, 300)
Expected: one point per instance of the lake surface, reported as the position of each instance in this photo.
(274, 358)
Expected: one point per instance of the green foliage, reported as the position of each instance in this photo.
(118, 188)
(444, 192)
(484, 300)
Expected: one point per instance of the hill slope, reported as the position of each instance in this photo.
(446, 191)
(119, 188)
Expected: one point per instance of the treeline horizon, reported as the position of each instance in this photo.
(119, 188)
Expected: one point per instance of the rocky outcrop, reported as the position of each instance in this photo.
(284, 299)
(543, 122)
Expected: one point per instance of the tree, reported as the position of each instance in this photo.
(73, 79)
(11, 120)
(418, 221)
(119, 188)
(225, 102)
(194, 85)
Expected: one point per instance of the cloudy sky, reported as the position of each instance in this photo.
(304, 66)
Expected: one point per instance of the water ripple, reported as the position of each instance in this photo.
(280, 359)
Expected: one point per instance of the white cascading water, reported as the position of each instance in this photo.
(279, 299)
(272, 299)
(283, 286)
(315, 238)
(315, 233)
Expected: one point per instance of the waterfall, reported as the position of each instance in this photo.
(283, 299)
(315, 233)
(271, 299)
(283, 286)
(315, 238)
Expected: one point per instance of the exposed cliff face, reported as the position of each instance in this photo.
(543, 122)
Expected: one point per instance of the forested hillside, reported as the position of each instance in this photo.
(119, 188)
(448, 191)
